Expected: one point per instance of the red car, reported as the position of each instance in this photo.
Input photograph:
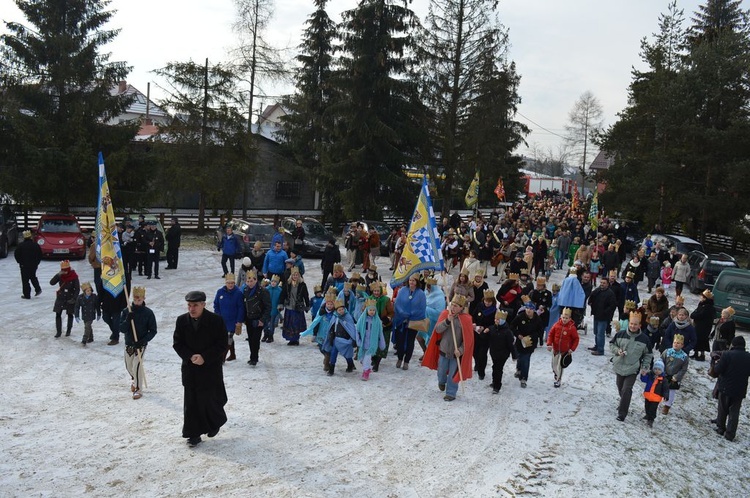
(60, 236)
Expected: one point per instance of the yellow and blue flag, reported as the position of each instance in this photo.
(594, 212)
(472, 193)
(422, 248)
(108, 251)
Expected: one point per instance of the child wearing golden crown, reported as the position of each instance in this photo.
(369, 336)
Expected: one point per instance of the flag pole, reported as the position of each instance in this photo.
(458, 362)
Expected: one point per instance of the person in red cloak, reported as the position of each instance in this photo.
(451, 345)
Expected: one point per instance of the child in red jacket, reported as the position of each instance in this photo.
(562, 340)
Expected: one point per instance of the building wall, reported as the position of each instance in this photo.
(279, 182)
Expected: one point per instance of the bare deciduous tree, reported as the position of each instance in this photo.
(584, 121)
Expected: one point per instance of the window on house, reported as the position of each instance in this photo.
(287, 190)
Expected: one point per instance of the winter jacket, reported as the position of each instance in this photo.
(87, 308)
(257, 304)
(603, 304)
(409, 306)
(231, 245)
(174, 234)
(145, 325)
(653, 269)
(274, 262)
(302, 297)
(28, 254)
(563, 337)
(703, 320)
(610, 261)
(733, 370)
(67, 293)
(675, 364)
(331, 256)
(688, 332)
(657, 307)
(681, 272)
(502, 341)
(657, 388)
(638, 352)
(527, 327)
(230, 307)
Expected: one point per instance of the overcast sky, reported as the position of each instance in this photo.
(561, 47)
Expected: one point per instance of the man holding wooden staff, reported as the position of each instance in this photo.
(138, 324)
(451, 348)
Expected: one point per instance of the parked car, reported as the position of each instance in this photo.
(316, 235)
(732, 288)
(684, 244)
(60, 236)
(704, 268)
(381, 227)
(251, 230)
(8, 230)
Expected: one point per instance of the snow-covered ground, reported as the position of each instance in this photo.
(69, 427)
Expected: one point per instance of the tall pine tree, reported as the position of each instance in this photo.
(307, 127)
(377, 110)
(57, 98)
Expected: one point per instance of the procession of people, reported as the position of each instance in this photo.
(453, 315)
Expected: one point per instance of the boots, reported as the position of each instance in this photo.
(330, 369)
(376, 363)
(350, 366)
(664, 410)
(366, 375)
(231, 356)
(326, 362)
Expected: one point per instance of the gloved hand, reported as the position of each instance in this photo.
(131, 315)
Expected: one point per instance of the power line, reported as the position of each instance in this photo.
(540, 126)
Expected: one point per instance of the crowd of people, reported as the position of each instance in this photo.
(452, 315)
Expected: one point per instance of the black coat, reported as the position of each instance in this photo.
(331, 256)
(524, 326)
(205, 394)
(733, 370)
(501, 342)
(703, 321)
(28, 254)
(258, 306)
(603, 304)
(174, 234)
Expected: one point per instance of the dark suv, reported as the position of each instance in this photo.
(251, 230)
(704, 268)
(8, 230)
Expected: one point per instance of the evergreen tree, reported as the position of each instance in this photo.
(462, 42)
(681, 146)
(57, 100)
(205, 147)
(308, 126)
(377, 110)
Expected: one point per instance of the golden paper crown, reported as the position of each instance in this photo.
(679, 338)
(525, 299)
(479, 273)
(630, 305)
(489, 294)
(347, 286)
(355, 276)
(317, 288)
(338, 267)
(431, 281)
(513, 276)
(339, 303)
(634, 316)
(541, 281)
(501, 315)
(370, 302)
(376, 285)
(139, 292)
(361, 288)
(251, 273)
(331, 296)
(459, 300)
(276, 279)
(567, 312)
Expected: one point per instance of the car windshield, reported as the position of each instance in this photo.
(259, 230)
(60, 226)
(735, 285)
(312, 228)
(692, 247)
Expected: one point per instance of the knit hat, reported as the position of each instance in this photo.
(246, 262)
(658, 365)
(738, 342)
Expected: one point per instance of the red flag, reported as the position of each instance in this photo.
(500, 190)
